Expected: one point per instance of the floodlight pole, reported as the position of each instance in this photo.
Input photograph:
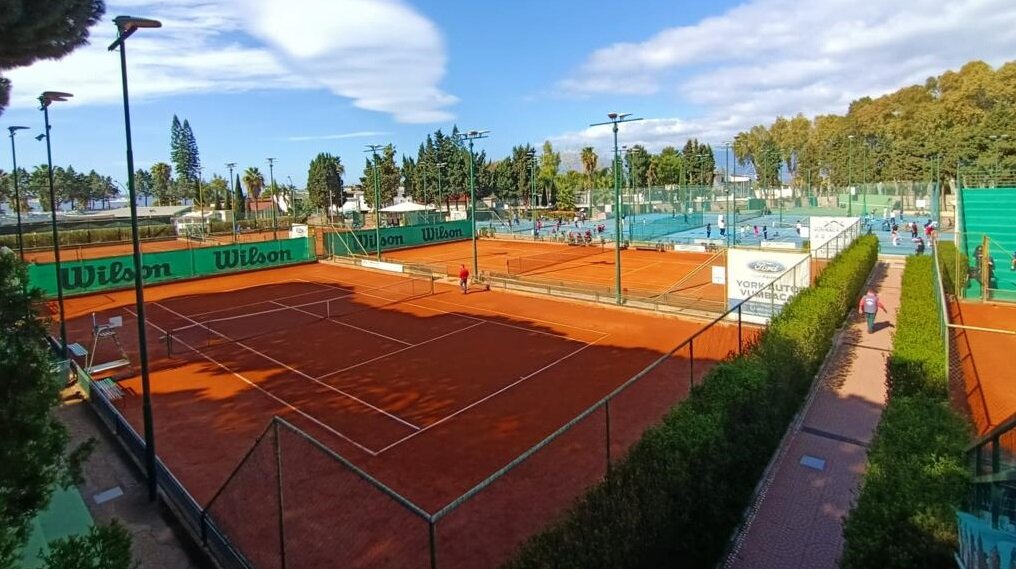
(726, 187)
(850, 166)
(17, 193)
(372, 148)
(46, 101)
(615, 119)
(232, 196)
(532, 192)
(471, 136)
(275, 203)
(125, 27)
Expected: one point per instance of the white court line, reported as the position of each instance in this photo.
(492, 395)
(378, 334)
(400, 350)
(296, 371)
(477, 318)
(274, 397)
(234, 307)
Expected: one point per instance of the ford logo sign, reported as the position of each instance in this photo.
(765, 266)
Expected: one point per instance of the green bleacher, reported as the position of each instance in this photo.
(991, 212)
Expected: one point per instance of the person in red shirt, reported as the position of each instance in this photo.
(463, 278)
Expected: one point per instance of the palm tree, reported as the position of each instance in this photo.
(589, 159)
(254, 180)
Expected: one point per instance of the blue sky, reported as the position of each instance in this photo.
(260, 78)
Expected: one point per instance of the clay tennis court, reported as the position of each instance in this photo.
(429, 393)
(985, 358)
(646, 273)
(101, 250)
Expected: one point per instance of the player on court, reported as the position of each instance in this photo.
(464, 278)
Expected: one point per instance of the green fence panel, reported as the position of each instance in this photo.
(110, 273)
(364, 241)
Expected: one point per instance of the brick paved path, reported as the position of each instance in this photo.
(799, 515)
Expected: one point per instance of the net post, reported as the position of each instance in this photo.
(432, 531)
(282, 509)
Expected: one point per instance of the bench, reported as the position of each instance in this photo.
(657, 247)
(108, 366)
(109, 389)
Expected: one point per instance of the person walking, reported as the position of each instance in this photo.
(869, 305)
(765, 232)
(464, 278)
(797, 227)
(709, 230)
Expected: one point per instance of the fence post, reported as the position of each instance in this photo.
(740, 345)
(691, 362)
(606, 407)
(432, 530)
(282, 509)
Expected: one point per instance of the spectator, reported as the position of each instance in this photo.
(869, 306)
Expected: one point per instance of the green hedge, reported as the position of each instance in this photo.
(916, 478)
(678, 494)
(252, 224)
(88, 236)
(947, 257)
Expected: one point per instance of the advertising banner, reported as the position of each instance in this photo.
(769, 278)
(110, 273)
(823, 230)
(364, 241)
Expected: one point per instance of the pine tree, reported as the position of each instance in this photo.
(324, 180)
(178, 148)
(35, 30)
(192, 156)
(239, 203)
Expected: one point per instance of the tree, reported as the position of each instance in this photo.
(178, 148)
(239, 202)
(33, 451)
(218, 188)
(103, 547)
(31, 30)
(193, 170)
(667, 168)
(184, 154)
(324, 181)
(162, 183)
(255, 181)
(637, 161)
(589, 159)
(38, 184)
(143, 184)
(388, 176)
(550, 164)
(7, 189)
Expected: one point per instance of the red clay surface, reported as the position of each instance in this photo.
(986, 360)
(97, 251)
(645, 273)
(429, 395)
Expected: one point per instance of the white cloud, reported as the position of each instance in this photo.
(381, 54)
(765, 58)
(341, 136)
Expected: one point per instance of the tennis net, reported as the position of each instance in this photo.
(526, 264)
(242, 327)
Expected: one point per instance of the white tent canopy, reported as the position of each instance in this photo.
(406, 207)
(349, 206)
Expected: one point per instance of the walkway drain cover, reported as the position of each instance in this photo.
(813, 462)
(107, 495)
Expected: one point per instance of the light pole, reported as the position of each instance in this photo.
(440, 193)
(201, 201)
(232, 196)
(532, 192)
(471, 136)
(126, 26)
(726, 188)
(373, 148)
(17, 193)
(850, 166)
(45, 100)
(616, 119)
(275, 202)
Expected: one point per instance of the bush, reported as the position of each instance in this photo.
(947, 258)
(71, 237)
(680, 491)
(917, 362)
(916, 477)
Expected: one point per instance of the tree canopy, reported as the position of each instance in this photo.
(31, 30)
